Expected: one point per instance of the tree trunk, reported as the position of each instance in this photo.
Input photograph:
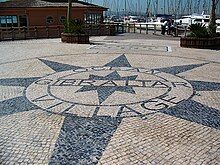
(69, 13)
(212, 23)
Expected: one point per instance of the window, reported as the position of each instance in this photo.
(3, 21)
(49, 20)
(8, 21)
(62, 19)
(198, 20)
(23, 20)
(93, 18)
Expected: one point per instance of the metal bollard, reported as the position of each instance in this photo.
(13, 34)
(35, 32)
(185, 31)
(1, 35)
(176, 32)
(25, 32)
(134, 28)
(47, 32)
(146, 28)
(58, 31)
(140, 29)
(154, 29)
(129, 28)
(122, 28)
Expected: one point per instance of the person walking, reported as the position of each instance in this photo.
(169, 24)
(163, 27)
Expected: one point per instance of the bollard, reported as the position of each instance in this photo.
(134, 28)
(90, 29)
(122, 25)
(58, 31)
(140, 28)
(12, 34)
(1, 35)
(117, 27)
(146, 28)
(176, 32)
(128, 28)
(25, 32)
(20, 32)
(35, 32)
(154, 30)
(185, 31)
(99, 30)
(47, 32)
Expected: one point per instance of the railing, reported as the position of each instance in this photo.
(146, 28)
(16, 33)
(37, 32)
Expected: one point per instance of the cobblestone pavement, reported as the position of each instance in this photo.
(121, 100)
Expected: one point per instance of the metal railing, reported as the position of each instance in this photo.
(37, 32)
(15, 33)
(146, 28)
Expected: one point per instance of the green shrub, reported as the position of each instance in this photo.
(212, 29)
(198, 31)
(75, 26)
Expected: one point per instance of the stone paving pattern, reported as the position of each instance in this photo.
(123, 100)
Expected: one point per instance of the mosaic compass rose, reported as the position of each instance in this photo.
(107, 94)
(109, 87)
(116, 84)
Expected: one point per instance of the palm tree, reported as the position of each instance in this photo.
(69, 13)
(73, 31)
(212, 23)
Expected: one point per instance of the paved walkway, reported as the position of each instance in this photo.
(122, 100)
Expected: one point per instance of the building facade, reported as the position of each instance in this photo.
(30, 13)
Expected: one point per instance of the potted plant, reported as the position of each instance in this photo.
(74, 29)
(202, 37)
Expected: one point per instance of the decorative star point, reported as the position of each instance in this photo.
(105, 91)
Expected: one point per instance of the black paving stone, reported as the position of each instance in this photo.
(16, 105)
(179, 69)
(83, 140)
(195, 112)
(24, 82)
(205, 86)
(59, 67)
(121, 61)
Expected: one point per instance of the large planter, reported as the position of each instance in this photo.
(201, 43)
(75, 38)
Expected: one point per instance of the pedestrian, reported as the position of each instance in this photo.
(169, 24)
(163, 27)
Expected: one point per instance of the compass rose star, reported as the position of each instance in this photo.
(97, 131)
(109, 87)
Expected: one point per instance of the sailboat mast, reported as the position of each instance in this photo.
(117, 4)
(139, 8)
(157, 6)
(168, 6)
(125, 7)
(164, 6)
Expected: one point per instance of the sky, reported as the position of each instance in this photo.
(141, 5)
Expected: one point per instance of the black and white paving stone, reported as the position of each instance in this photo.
(122, 106)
